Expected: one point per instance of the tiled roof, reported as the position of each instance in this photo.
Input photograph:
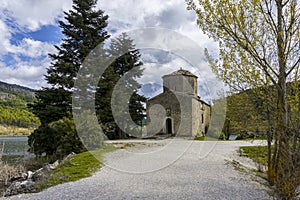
(182, 72)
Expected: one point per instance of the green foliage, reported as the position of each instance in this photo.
(218, 113)
(10, 116)
(258, 154)
(13, 102)
(247, 115)
(222, 136)
(84, 29)
(52, 104)
(14, 112)
(89, 130)
(56, 139)
(20, 92)
(253, 56)
(125, 69)
(76, 167)
(205, 138)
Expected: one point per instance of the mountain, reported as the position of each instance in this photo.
(15, 117)
(13, 88)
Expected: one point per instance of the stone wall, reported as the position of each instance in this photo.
(185, 111)
(179, 103)
(179, 83)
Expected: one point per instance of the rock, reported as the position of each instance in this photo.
(49, 167)
(67, 157)
(25, 182)
(27, 186)
(54, 165)
(46, 166)
(29, 174)
(39, 175)
(21, 177)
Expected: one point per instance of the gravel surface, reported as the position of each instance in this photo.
(166, 169)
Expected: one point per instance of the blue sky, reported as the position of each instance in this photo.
(29, 30)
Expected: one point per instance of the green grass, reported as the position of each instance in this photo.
(251, 139)
(258, 154)
(206, 138)
(76, 167)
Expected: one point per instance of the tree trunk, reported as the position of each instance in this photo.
(283, 175)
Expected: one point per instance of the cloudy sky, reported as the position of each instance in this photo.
(29, 29)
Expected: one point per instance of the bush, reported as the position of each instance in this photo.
(56, 139)
(222, 136)
(88, 129)
(244, 134)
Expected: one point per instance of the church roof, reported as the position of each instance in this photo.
(181, 72)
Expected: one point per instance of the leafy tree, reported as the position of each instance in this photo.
(92, 136)
(246, 111)
(83, 28)
(14, 102)
(124, 70)
(58, 139)
(14, 112)
(259, 45)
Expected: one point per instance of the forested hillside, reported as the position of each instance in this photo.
(15, 118)
(250, 115)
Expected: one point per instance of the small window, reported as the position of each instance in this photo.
(168, 112)
(202, 118)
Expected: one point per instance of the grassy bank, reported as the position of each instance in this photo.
(206, 138)
(258, 154)
(73, 168)
(76, 167)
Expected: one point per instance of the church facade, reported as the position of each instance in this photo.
(185, 113)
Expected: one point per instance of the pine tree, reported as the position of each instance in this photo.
(125, 68)
(84, 29)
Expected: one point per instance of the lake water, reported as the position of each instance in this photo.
(14, 149)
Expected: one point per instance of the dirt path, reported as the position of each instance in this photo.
(167, 169)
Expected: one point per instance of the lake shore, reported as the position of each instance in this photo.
(12, 131)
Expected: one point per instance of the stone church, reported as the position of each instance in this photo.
(185, 113)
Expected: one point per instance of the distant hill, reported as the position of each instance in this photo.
(13, 90)
(15, 118)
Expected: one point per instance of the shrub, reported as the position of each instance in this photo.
(56, 139)
(222, 136)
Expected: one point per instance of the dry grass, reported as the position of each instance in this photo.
(7, 172)
(14, 131)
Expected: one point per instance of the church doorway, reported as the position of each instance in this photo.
(169, 126)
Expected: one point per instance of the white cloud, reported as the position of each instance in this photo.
(33, 48)
(23, 16)
(5, 36)
(28, 74)
(124, 15)
(32, 14)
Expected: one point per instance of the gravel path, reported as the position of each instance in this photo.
(167, 169)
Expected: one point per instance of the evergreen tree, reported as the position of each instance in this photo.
(84, 29)
(126, 68)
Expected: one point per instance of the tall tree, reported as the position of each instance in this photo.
(259, 45)
(84, 29)
(124, 70)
